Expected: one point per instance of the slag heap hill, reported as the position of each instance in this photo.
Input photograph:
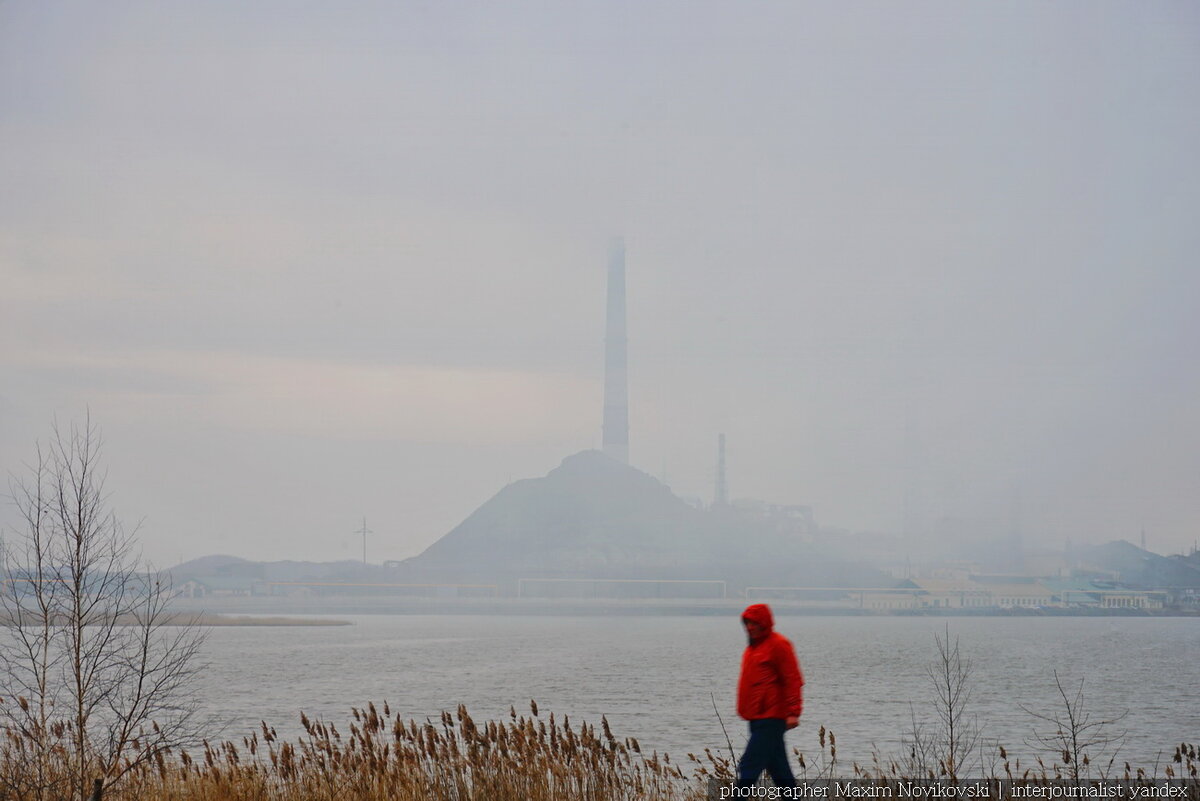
(594, 517)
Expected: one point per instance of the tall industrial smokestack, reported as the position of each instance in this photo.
(721, 496)
(616, 383)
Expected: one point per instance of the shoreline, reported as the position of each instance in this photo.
(266, 606)
(213, 620)
(217, 620)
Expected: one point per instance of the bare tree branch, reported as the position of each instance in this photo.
(94, 676)
(958, 732)
(1075, 736)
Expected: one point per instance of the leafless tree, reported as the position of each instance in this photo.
(95, 674)
(957, 731)
(1075, 736)
(919, 749)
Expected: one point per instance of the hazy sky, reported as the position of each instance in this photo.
(306, 262)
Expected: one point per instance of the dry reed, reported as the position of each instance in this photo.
(381, 756)
(524, 758)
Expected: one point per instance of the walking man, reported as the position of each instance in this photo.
(769, 697)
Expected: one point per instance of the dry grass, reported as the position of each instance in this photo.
(996, 764)
(381, 756)
(524, 758)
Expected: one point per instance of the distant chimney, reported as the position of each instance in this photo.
(721, 495)
(1016, 545)
(616, 383)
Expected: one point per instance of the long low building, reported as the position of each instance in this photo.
(982, 592)
(1017, 592)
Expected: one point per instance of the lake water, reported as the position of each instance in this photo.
(655, 678)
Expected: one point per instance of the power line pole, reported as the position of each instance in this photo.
(364, 531)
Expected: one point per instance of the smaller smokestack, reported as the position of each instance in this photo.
(721, 495)
(615, 432)
(1016, 549)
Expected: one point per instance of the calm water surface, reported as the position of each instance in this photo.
(655, 678)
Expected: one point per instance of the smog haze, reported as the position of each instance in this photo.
(929, 264)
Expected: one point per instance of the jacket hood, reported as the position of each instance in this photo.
(760, 614)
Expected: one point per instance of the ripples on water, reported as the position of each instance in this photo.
(655, 677)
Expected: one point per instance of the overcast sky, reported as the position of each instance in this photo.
(306, 262)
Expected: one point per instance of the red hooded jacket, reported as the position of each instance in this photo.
(771, 683)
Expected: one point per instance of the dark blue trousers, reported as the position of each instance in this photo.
(766, 751)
